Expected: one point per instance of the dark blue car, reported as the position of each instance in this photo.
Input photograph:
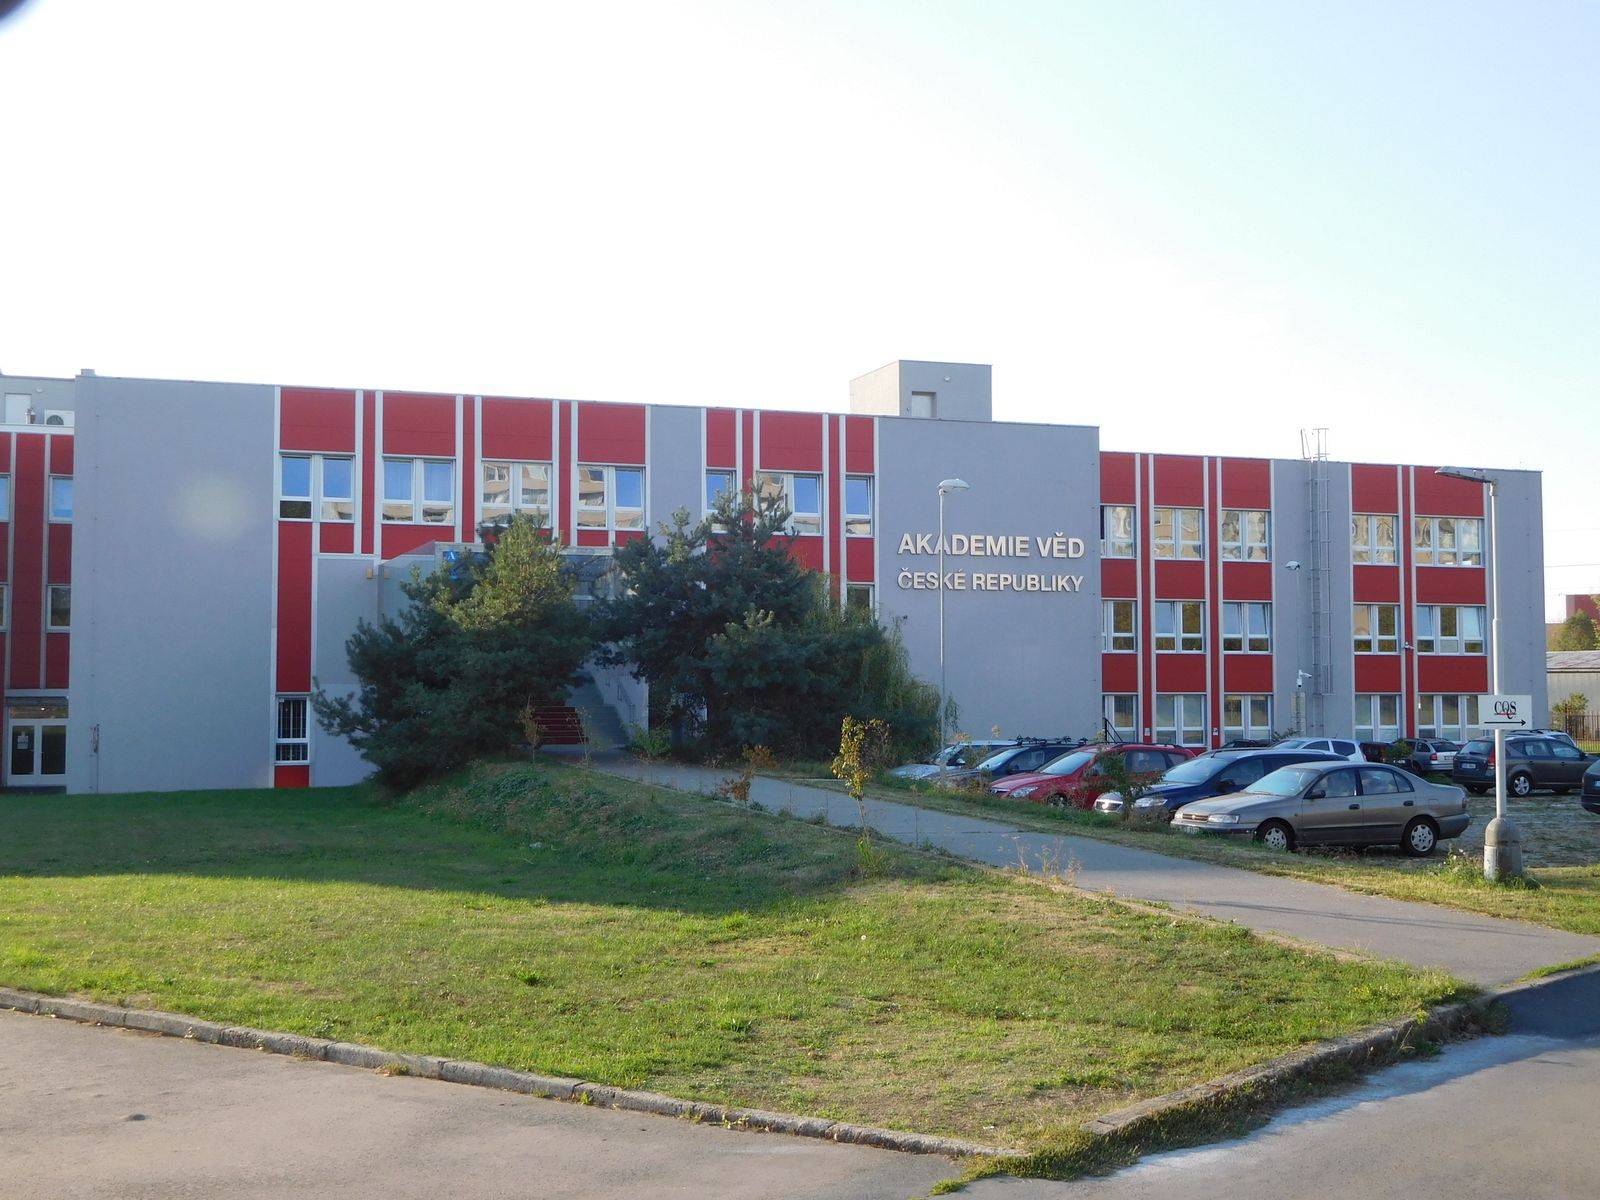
(1214, 773)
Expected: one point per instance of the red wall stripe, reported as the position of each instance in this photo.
(1245, 483)
(60, 454)
(1375, 584)
(60, 556)
(835, 507)
(1180, 481)
(1214, 607)
(747, 440)
(1378, 673)
(317, 419)
(1180, 579)
(27, 567)
(1372, 488)
(1446, 496)
(791, 441)
(57, 660)
(1408, 610)
(516, 430)
(1119, 673)
(294, 606)
(1247, 581)
(1451, 585)
(1452, 673)
(1180, 673)
(1147, 698)
(469, 472)
(564, 516)
(1119, 578)
(370, 511)
(419, 424)
(337, 537)
(291, 776)
(1118, 484)
(1244, 674)
(859, 553)
(858, 445)
(611, 433)
(722, 438)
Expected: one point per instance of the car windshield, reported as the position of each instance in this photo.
(1067, 763)
(1478, 747)
(997, 760)
(1292, 743)
(1190, 770)
(1286, 781)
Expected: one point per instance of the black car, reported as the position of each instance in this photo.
(1029, 754)
(1590, 796)
(1215, 773)
(1531, 763)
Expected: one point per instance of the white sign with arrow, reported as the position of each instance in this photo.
(1500, 712)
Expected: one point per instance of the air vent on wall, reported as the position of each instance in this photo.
(58, 416)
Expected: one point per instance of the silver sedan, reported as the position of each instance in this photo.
(1335, 803)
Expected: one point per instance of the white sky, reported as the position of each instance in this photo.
(1200, 227)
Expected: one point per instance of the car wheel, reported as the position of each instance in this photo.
(1477, 790)
(1276, 835)
(1520, 784)
(1419, 838)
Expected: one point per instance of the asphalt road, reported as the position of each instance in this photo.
(89, 1113)
(1483, 950)
(1495, 1118)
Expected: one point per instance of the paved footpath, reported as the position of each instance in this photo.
(1483, 950)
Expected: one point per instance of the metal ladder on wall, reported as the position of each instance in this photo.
(1314, 449)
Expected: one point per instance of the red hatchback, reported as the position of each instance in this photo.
(1078, 776)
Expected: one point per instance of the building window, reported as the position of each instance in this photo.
(5, 497)
(61, 498)
(1447, 716)
(316, 482)
(58, 612)
(610, 497)
(1247, 627)
(419, 491)
(294, 487)
(717, 483)
(1180, 625)
(1448, 541)
(1372, 538)
(513, 487)
(5, 606)
(860, 595)
(1246, 718)
(292, 743)
(800, 494)
(1450, 629)
(1376, 628)
(1117, 632)
(1178, 533)
(1181, 720)
(1121, 712)
(1117, 536)
(1246, 535)
(336, 488)
(858, 505)
(1377, 717)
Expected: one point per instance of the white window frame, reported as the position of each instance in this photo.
(857, 524)
(1108, 712)
(786, 482)
(1369, 713)
(279, 741)
(50, 499)
(1244, 547)
(1109, 636)
(1178, 708)
(705, 486)
(1375, 638)
(419, 505)
(1175, 545)
(494, 512)
(1255, 716)
(1365, 548)
(1120, 547)
(318, 503)
(1431, 714)
(1427, 533)
(611, 508)
(1432, 620)
(1246, 627)
(50, 608)
(1168, 624)
(869, 589)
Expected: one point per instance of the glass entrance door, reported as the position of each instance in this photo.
(36, 743)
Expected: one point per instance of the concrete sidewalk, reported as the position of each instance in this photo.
(1483, 950)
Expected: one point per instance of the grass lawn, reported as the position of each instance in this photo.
(551, 919)
(1556, 832)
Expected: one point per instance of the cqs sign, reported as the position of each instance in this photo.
(1503, 711)
(1053, 548)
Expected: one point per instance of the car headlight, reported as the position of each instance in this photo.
(1022, 793)
(1148, 802)
(1223, 818)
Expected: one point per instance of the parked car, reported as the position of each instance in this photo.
(1345, 748)
(1335, 802)
(953, 757)
(1532, 762)
(1028, 755)
(1429, 755)
(1214, 773)
(1590, 796)
(1077, 777)
(1555, 735)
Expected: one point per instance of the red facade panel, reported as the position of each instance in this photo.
(59, 560)
(60, 455)
(57, 656)
(1375, 585)
(417, 424)
(1446, 496)
(834, 507)
(1374, 489)
(859, 556)
(1180, 580)
(611, 433)
(1119, 578)
(1180, 673)
(1378, 673)
(1246, 483)
(1452, 673)
(1247, 580)
(859, 456)
(317, 419)
(293, 671)
(1119, 673)
(369, 508)
(1180, 481)
(517, 430)
(469, 471)
(5, 534)
(791, 441)
(1249, 674)
(563, 515)
(27, 561)
(1451, 585)
(402, 539)
(1117, 473)
(747, 445)
(807, 551)
(722, 438)
(337, 538)
(290, 775)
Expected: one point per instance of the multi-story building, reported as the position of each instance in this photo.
(226, 538)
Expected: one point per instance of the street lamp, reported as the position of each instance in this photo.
(1502, 843)
(945, 486)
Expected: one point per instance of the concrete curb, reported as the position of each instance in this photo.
(474, 1074)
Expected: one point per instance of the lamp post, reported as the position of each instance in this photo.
(1502, 843)
(945, 486)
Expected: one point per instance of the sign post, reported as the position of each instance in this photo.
(1502, 846)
